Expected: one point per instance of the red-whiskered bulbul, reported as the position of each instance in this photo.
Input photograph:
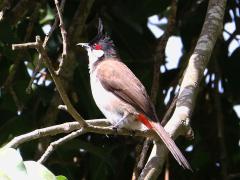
(119, 94)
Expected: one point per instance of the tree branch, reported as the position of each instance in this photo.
(9, 81)
(55, 144)
(68, 66)
(20, 10)
(158, 60)
(47, 37)
(43, 55)
(76, 27)
(160, 50)
(179, 122)
(99, 126)
(4, 5)
(61, 25)
(220, 123)
(63, 33)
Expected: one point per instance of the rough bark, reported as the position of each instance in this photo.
(179, 122)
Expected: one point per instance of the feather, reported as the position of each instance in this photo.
(167, 140)
(117, 78)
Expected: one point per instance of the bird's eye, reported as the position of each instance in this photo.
(97, 47)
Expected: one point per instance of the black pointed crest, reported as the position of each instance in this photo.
(100, 27)
(100, 33)
(104, 40)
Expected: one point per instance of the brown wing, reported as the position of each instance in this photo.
(119, 79)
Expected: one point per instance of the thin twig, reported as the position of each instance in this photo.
(33, 45)
(141, 158)
(160, 50)
(234, 176)
(20, 10)
(158, 60)
(18, 103)
(35, 71)
(169, 111)
(167, 173)
(63, 33)
(47, 37)
(26, 38)
(61, 25)
(232, 34)
(43, 54)
(78, 23)
(4, 5)
(220, 124)
(28, 34)
(55, 144)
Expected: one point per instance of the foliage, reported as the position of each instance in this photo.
(13, 167)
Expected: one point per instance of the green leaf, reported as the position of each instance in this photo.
(61, 177)
(36, 170)
(49, 16)
(12, 167)
(11, 164)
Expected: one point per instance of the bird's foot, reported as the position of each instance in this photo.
(132, 132)
(115, 129)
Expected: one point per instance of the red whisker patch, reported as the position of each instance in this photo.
(98, 47)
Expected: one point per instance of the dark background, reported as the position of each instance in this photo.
(215, 153)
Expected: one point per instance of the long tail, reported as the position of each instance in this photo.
(166, 139)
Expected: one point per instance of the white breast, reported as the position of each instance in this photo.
(112, 107)
(105, 100)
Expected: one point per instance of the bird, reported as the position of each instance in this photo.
(120, 95)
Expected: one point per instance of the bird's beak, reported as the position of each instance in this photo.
(84, 45)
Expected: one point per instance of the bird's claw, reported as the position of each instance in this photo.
(115, 129)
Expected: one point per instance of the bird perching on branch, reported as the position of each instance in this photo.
(120, 95)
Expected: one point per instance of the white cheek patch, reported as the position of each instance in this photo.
(94, 56)
(98, 53)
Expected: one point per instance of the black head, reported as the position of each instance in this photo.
(101, 42)
(106, 45)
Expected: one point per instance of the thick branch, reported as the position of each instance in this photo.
(99, 126)
(198, 61)
(189, 86)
